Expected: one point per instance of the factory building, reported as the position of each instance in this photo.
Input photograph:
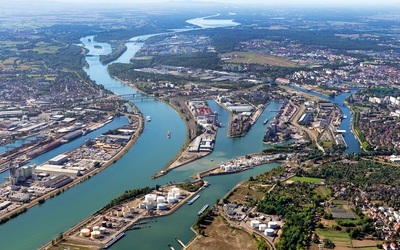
(305, 119)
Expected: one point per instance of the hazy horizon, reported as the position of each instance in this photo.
(287, 3)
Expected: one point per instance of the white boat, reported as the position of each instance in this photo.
(148, 118)
(168, 134)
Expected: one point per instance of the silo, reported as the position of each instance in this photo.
(273, 224)
(162, 206)
(269, 232)
(262, 227)
(254, 223)
(85, 232)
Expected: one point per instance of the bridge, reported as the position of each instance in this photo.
(137, 97)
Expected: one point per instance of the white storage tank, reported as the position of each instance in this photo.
(171, 199)
(120, 213)
(150, 197)
(273, 224)
(170, 194)
(125, 214)
(262, 227)
(176, 190)
(160, 199)
(254, 223)
(85, 232)
(269, 232)
(177, 196)
(96, 228)
(162, 206)
(102, 230)
(142, 206)
(95, 234)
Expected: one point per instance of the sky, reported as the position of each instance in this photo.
(294, 3)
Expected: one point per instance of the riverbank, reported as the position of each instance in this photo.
(92, 172)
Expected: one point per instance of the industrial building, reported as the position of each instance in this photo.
(57, 181)
(59, 159)
(305, 119)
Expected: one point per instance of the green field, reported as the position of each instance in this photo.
(335, 236)
(306, 179)
(255, 58)
(323, 191)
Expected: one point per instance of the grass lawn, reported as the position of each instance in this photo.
(256, 58)
(335, 236)
(306, 179)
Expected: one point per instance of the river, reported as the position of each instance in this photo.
(150, 153)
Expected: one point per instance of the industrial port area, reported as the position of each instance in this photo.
(29, 185)
(106, 227)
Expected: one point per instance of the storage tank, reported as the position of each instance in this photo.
(120, 213)
(150, 197)
(132, 210)
(170, 194)
(177, 195)
(96, 228)
(254, 223)
(102, 230)
(273, 224)
(95, 234)
(85, 232)
(160, 199)
(90, 228)
(171, 199)
(104, 223)
(142, 206)
(175, 190)
(109, 225)
(269, 232)
(262, 227)
(125, 214)
(162, 206)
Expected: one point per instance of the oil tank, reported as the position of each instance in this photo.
(269, 232)
(273, 224)
(162, 206)
(85, 232)
(262, 227)
(95, 234)
(254, 223)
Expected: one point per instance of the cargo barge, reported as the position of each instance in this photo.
(190, 202)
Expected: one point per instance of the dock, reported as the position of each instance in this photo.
(113, 240)
(180, 242)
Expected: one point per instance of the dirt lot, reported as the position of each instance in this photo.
(220, 236)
